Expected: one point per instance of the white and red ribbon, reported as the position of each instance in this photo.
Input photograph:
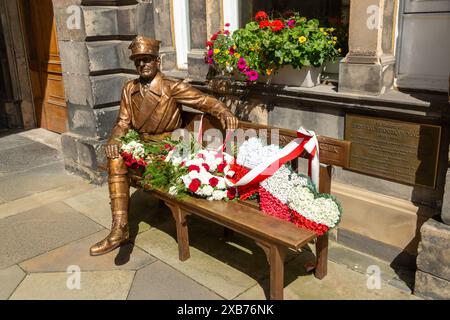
(306, 140)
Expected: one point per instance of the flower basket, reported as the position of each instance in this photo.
(305, 77)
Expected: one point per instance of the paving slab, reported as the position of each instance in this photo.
(215, 274)
(23, 158)
(43, 136)
(341, 283)
(39, 230)
(144, 209)
(13, 141)
(35, 180)
(42, 198)
(10, 278)
(77, 253)
(98, 285)
(159, 281)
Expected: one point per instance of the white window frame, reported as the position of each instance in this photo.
(231, 14)
(182, 31)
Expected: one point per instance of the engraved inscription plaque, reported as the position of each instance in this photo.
(401, 151)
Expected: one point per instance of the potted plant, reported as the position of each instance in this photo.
(340, 30)
(288, 50)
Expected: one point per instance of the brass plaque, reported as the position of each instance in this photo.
(401, 151)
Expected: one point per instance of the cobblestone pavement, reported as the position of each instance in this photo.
(49, 219)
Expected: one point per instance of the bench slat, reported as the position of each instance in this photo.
(245, 219)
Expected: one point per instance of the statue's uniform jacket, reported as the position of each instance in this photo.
(157, 109)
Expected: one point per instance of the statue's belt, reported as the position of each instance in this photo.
(155, 136)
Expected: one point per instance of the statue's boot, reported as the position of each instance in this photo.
(119, 191)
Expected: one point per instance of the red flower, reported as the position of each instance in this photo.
(264, 24)
(261, 15)
(221, 166)
(209, 43)
(205, 165)
(193, 167)
(167, 146)
(277, 25)
(201, 156)
(213, 181)
(182, 163)
(226, 32)
(227, 24)
(194, 185)
(231, 193)
(214, 37)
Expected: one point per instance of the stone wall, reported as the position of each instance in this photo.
(95, 66)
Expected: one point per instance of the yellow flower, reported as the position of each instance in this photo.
(331, 29)
(216, 51)
(339, 50)
(302, 19)
(234, 47)
(334, 38)
(269, 71)
(321, 29)
(227, 63)
(334, 42)
(325, 33)
(302, 39)
(237, 55)
(253, 49)
(227, 52)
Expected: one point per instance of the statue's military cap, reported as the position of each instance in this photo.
(144, 46)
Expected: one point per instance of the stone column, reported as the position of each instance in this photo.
(369, 66)
(197, 69)
(163, 31)
(93, 41)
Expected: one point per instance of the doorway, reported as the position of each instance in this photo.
(45, 64)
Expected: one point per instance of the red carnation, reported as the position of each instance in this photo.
(205, 165)
(209, 43)
(227, 24)
(231, 193)
(194, 185)
(221, 166)
(213, 182)
(277, 25)
(167, 146)
(261, 15)
(264, 24)
(193, 167)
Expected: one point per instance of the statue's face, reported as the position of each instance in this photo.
(147, 66)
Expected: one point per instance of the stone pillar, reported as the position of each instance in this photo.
(163, 32)
(369, 66)
(93, 41)
(197, 69)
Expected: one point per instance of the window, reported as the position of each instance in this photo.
(181, 26)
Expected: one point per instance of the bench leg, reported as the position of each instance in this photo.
(182, 231)
(275, 257)
(321, 256)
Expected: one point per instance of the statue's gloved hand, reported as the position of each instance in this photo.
(112, 150)
(228, 120)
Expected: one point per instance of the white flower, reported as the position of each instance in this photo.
(205, 191)
(252, 152)
(218, 195)
(186, 180)
(194, 174)
(221, 184)
(173, 190)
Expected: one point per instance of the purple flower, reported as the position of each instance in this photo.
(291, 23)
(252, 75)
(210, 52)
(241, 64)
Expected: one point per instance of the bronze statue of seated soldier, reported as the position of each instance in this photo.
(150, 105)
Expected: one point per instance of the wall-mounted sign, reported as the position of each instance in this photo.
(401, 151)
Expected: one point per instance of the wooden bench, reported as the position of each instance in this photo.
(273, 235)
